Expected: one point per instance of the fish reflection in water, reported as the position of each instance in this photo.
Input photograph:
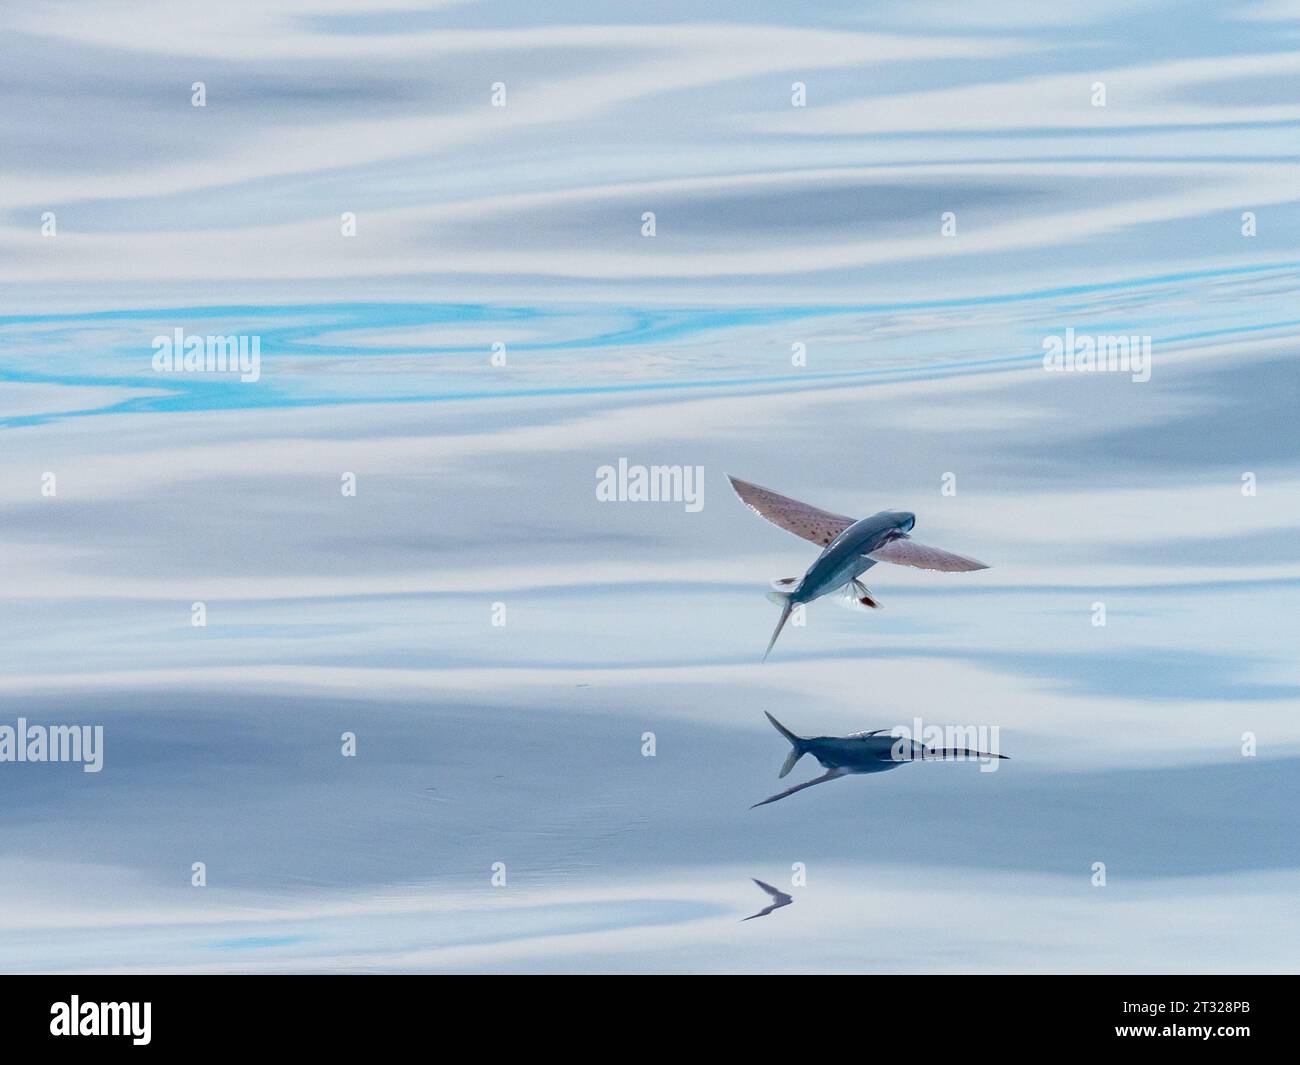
(779, 899)
(863, 752)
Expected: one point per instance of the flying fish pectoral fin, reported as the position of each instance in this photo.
(830, 774)
(812, 523)
(904, 551)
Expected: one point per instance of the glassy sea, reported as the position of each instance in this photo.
(448, 709)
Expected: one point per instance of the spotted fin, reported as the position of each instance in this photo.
(812, 523)
(904, 551)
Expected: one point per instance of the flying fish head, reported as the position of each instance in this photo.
(903, 521)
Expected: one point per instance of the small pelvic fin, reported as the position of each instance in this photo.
(781, 589)
(864, 596)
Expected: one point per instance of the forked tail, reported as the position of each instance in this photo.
(786, 607)
(797, 747)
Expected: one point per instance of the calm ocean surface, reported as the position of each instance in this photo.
(499, 641)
